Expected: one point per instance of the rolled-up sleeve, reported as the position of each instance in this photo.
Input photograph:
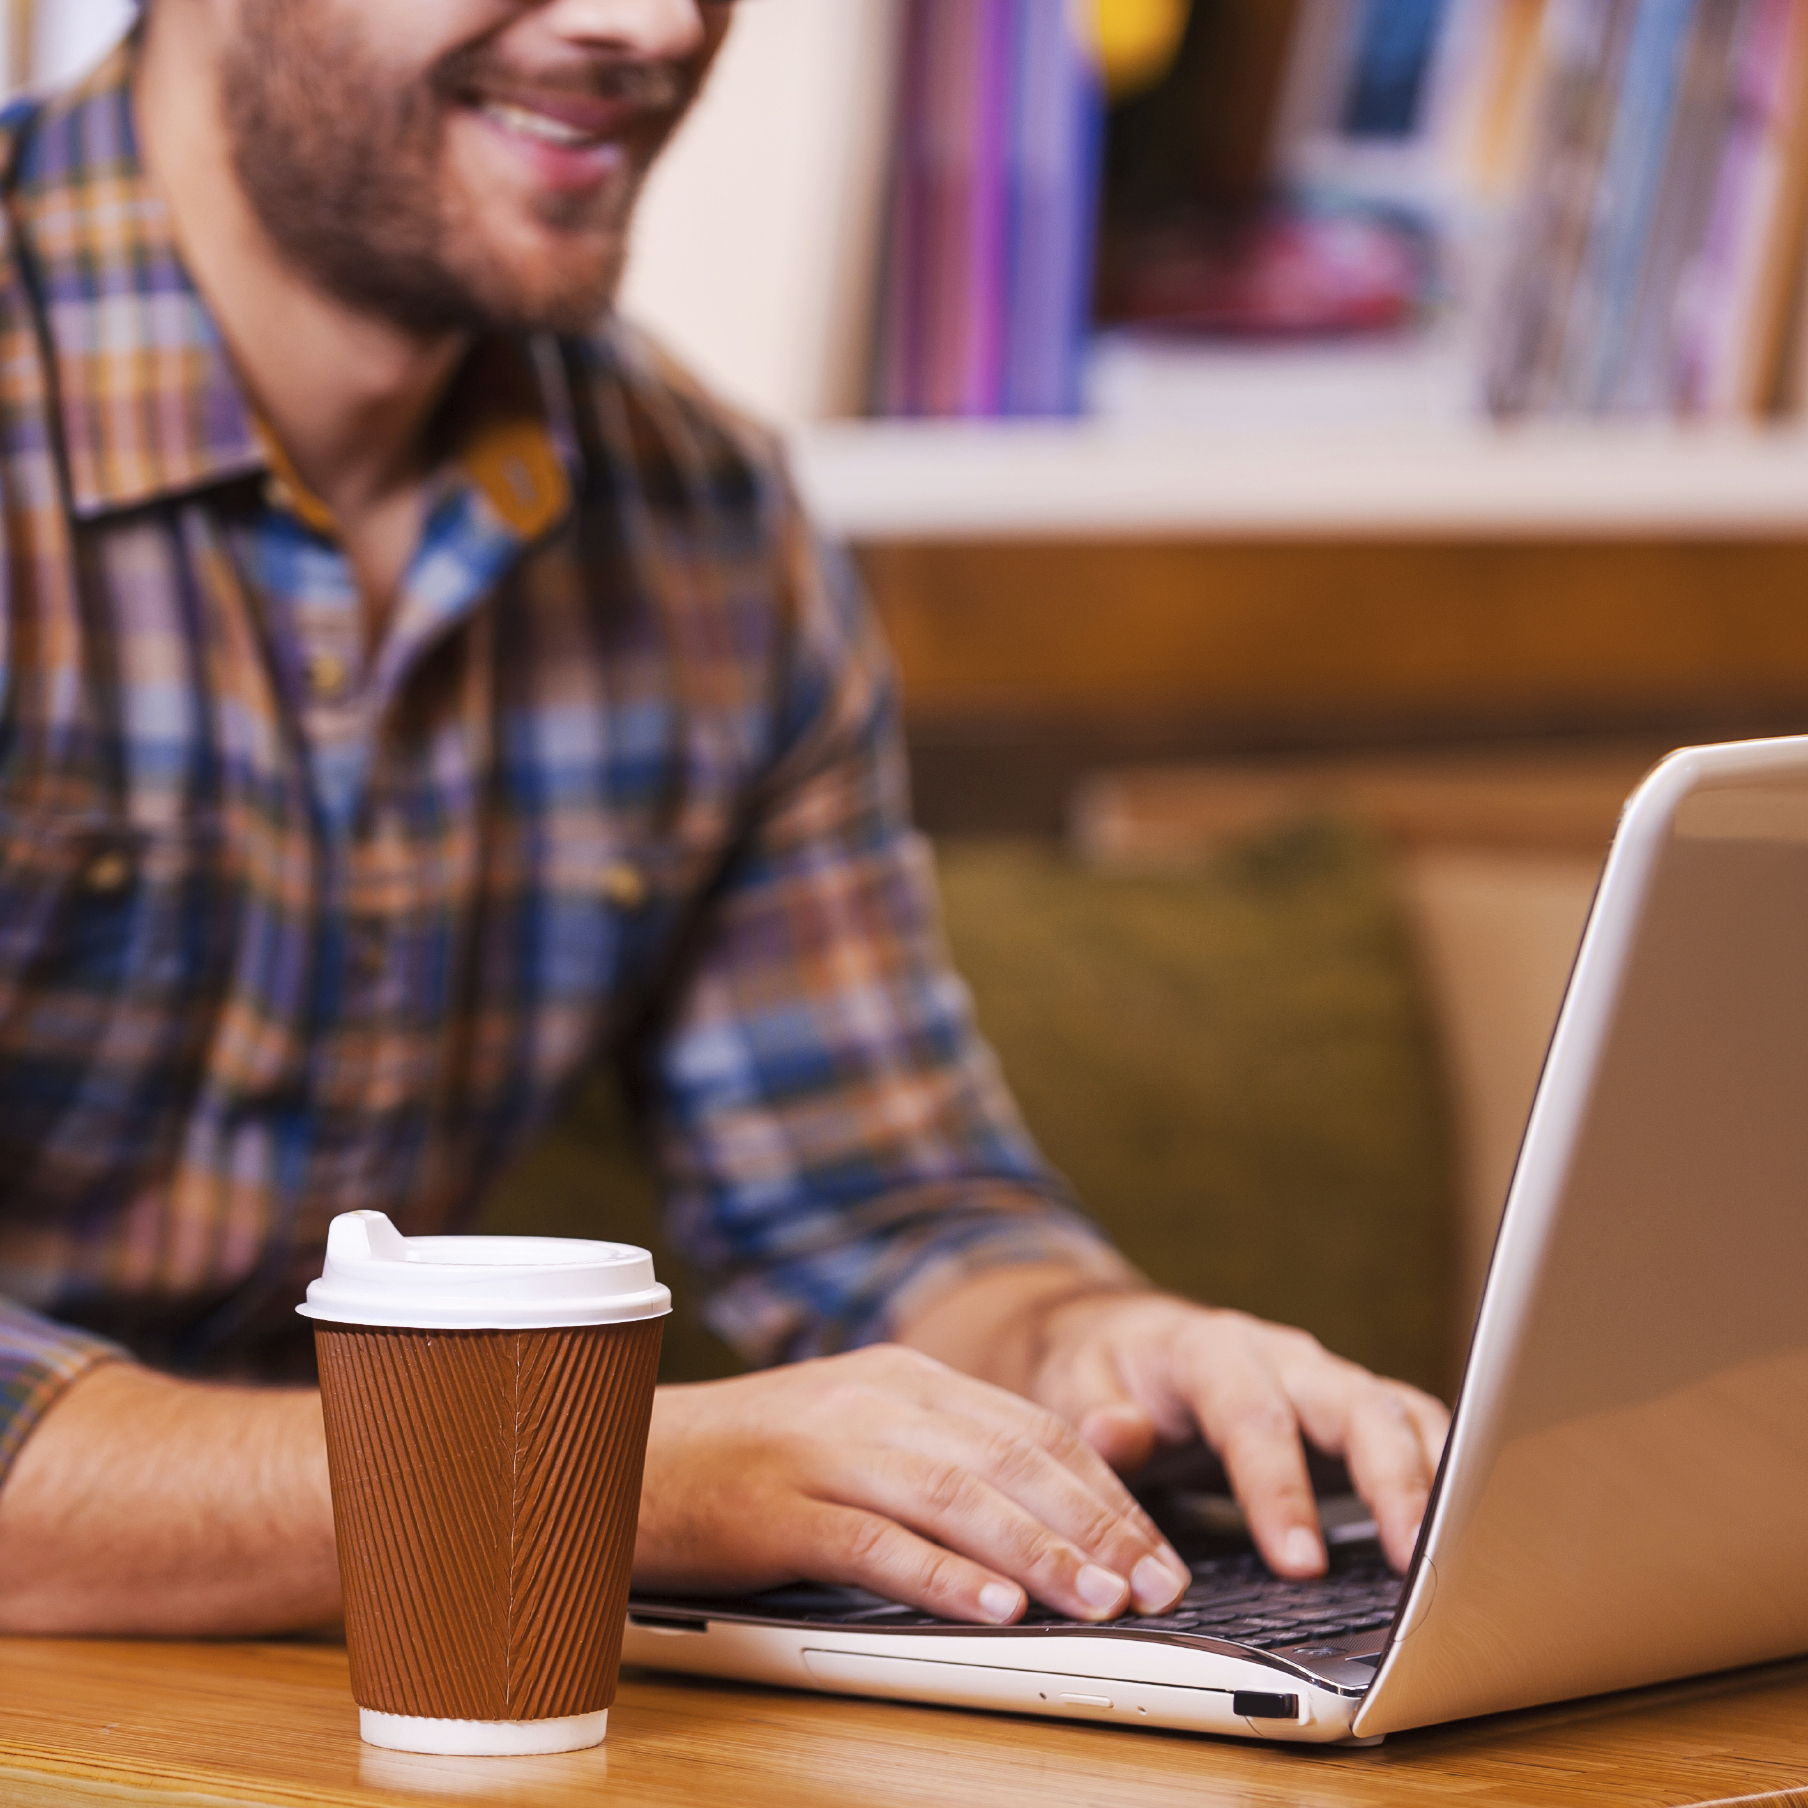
(836, 1140)
(38, 1360)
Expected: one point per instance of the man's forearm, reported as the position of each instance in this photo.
(143, 1504)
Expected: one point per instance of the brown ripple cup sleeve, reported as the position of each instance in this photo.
(486, 1486)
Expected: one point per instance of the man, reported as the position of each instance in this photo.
(413, 696)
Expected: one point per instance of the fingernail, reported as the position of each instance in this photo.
(1100, 1588)
(1300, 1549)
(1000, 1601)
(1154, 1586)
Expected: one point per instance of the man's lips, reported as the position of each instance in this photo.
(561, 117)
(570, 142)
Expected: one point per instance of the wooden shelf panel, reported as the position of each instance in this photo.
(1295, 634)
(896, 481)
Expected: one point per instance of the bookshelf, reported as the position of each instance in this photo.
(892, 480)
(1374, 436)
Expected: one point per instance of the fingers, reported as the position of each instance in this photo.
(1245, 1413)
(1059, 1441)
(1395, 1439)
(965, 1514)
(867, 1550)
(1390, 1437)
(1256, 1389)
(1431, 1419)
(1387, 1466)
(1011, 1510)
(1014, 1484)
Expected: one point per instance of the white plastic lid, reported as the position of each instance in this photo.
(373, 1275)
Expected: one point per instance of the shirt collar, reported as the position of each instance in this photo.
(147, 394)
(508, 435)
(150, 403)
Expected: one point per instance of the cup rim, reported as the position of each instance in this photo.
(373, 1275)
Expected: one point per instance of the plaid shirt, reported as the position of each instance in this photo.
(291, 926)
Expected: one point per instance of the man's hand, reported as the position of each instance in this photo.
(1135, 1369)
(886, 1470)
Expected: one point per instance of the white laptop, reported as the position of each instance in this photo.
(1624, 1496)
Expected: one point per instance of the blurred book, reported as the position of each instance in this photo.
(986, 292)
(1657, 265)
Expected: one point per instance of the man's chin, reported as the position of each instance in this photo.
(495, 302)
(554, 287)
(565, 315)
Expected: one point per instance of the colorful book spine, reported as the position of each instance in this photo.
(1660, 264)
(1718, 293)
(986, 296)
(1582, 53)
(1647, 378)
(1058, 124)
(1396, 48)
(1626, 198)
(898, 341)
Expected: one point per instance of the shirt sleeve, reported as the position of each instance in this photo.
(835, 1138)
(38, 1359)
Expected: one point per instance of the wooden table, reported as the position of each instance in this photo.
(274, 1724)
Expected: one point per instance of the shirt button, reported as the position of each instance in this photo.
(108, 872)
(327, 675)
(624, 886)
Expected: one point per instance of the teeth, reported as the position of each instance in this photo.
(536, 125)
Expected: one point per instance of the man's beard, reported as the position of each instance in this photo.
(343, 168)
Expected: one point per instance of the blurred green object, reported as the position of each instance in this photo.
(1232, 1065)
(1234, 1068)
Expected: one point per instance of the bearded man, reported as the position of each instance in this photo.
(415, 694)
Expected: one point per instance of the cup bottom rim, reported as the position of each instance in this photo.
(481, 1738)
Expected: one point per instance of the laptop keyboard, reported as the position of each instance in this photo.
(1232, 1597)
(1236, 1598)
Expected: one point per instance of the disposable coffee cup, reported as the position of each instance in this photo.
(487, 1402)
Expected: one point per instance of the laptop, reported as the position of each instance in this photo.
(1621, 1499)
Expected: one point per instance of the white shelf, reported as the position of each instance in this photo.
(919, 480)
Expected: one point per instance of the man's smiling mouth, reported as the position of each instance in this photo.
(571, 134)
(525, 122)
